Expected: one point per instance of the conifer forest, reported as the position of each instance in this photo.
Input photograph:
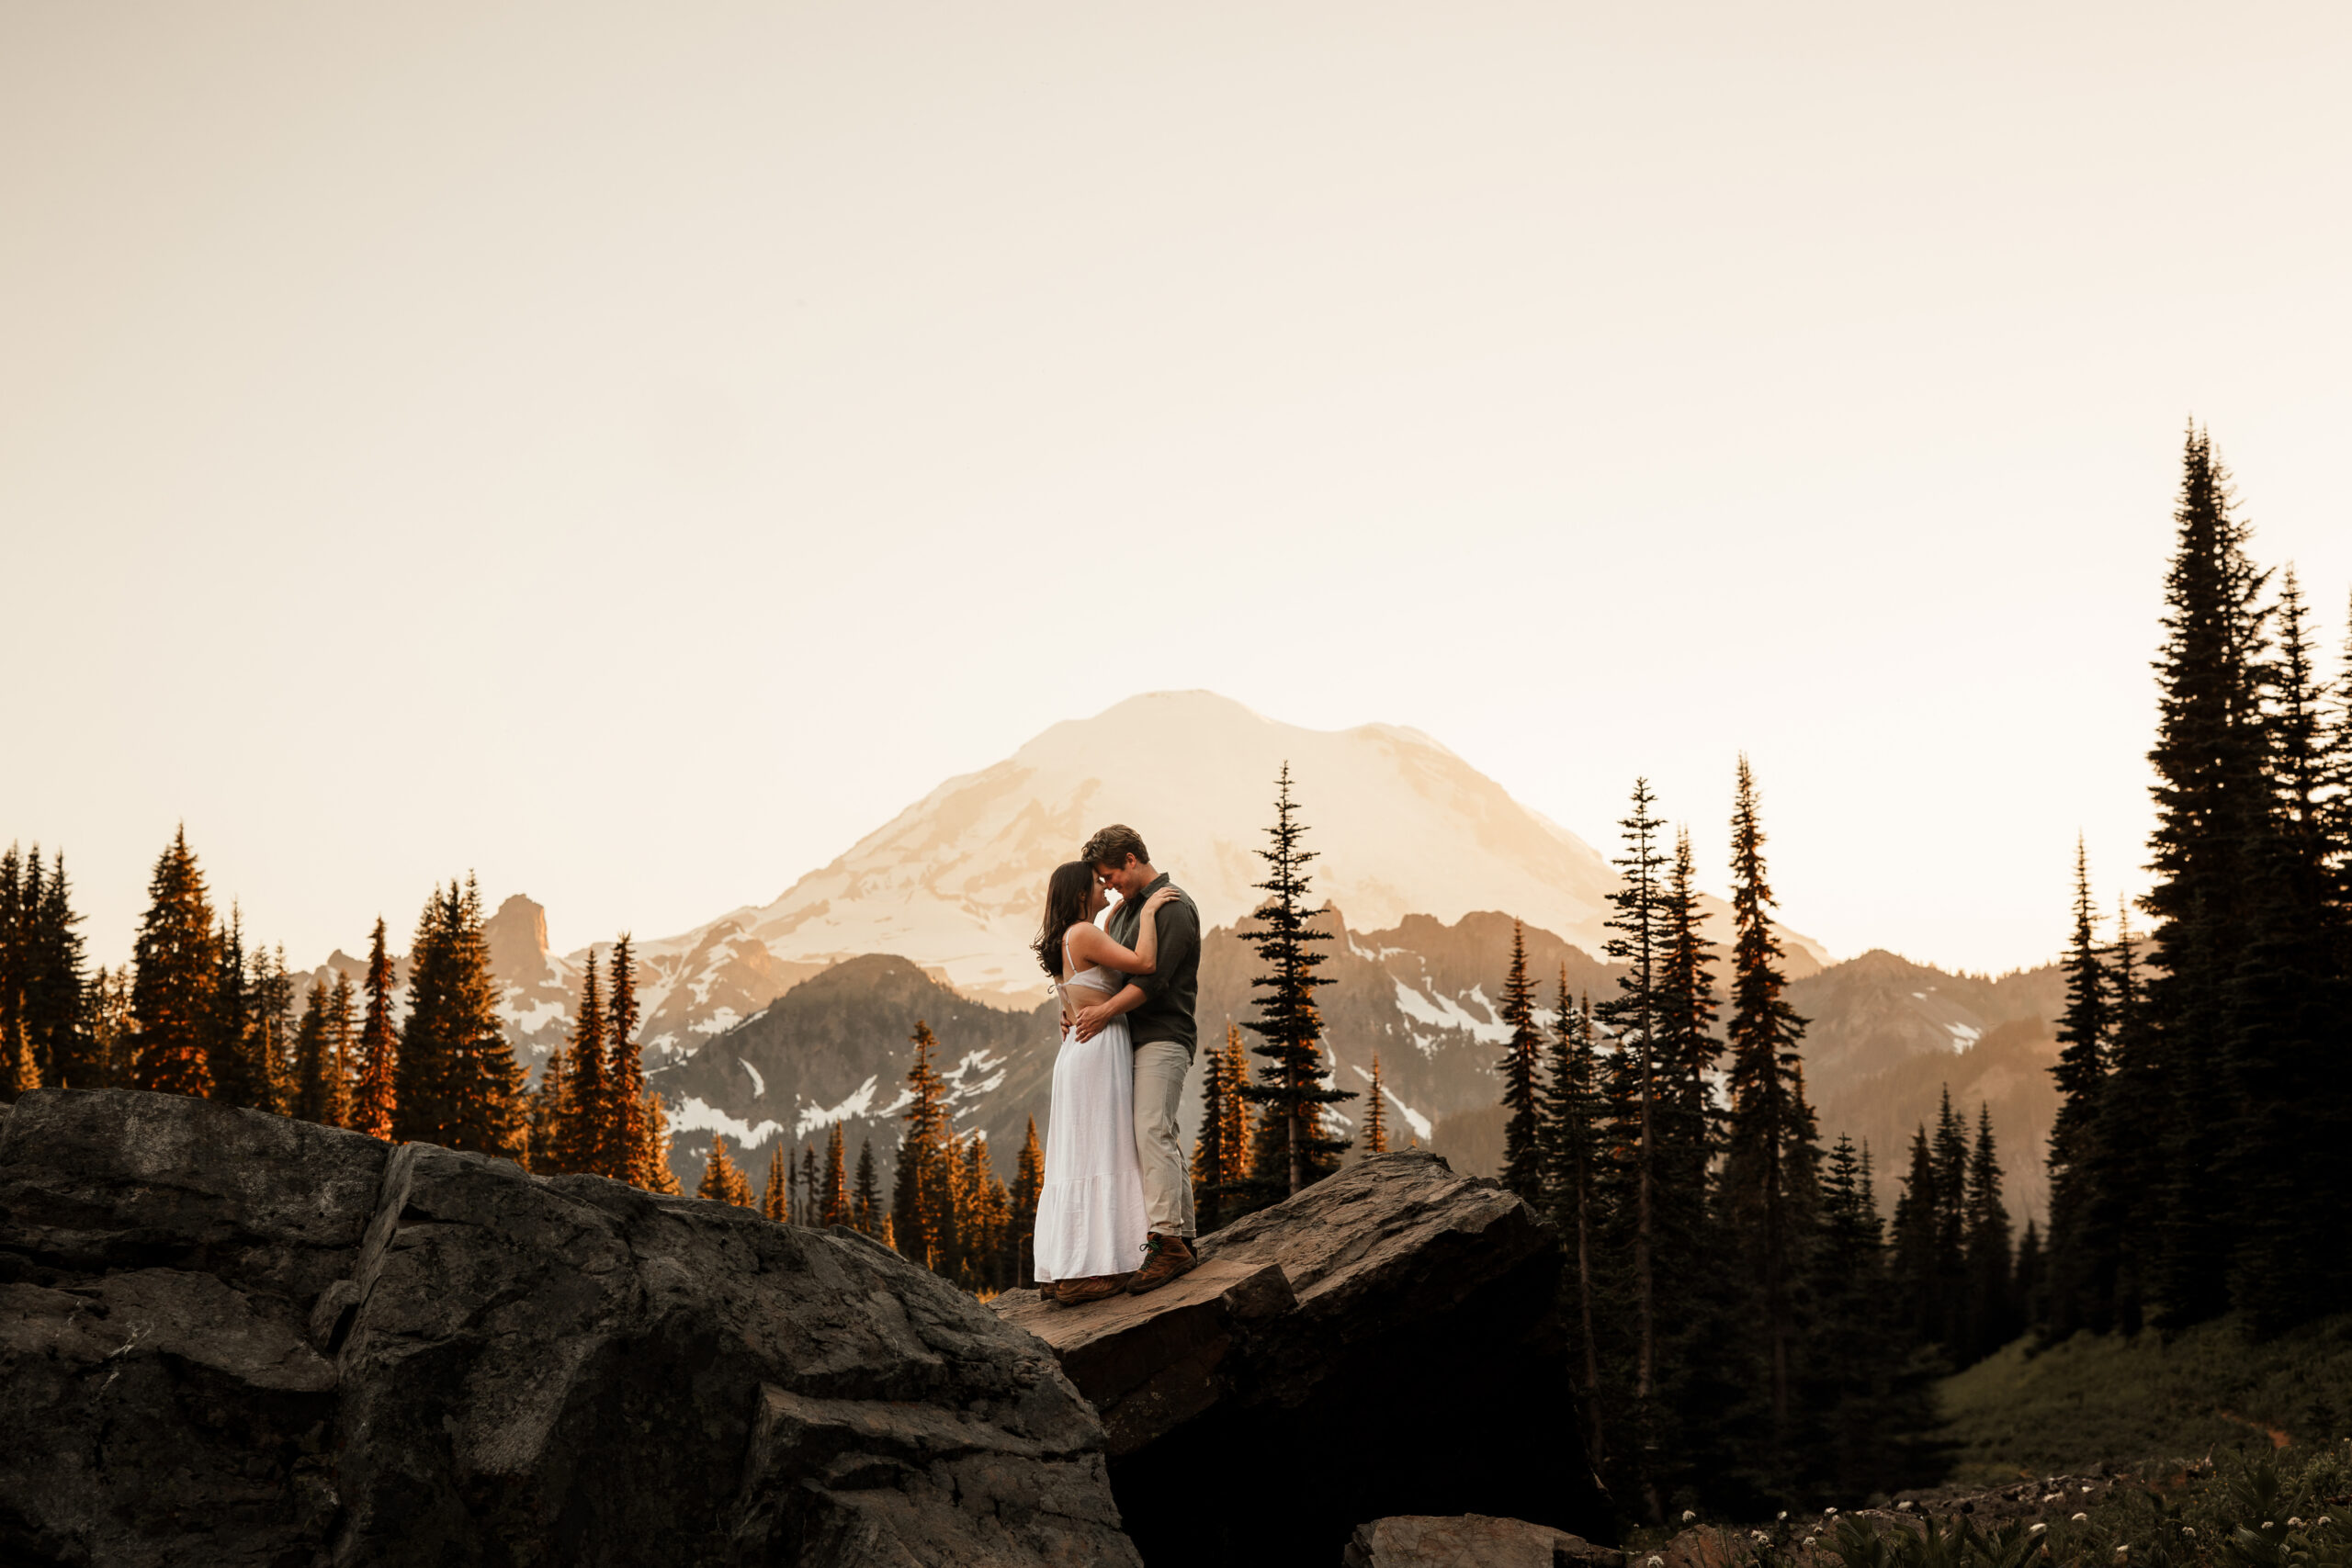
(1761, 1308)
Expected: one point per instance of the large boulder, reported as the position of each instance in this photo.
(1471, 1541)
(228, 1338)
(1386, 1342)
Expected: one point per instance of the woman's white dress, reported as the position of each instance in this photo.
(1090, 1215)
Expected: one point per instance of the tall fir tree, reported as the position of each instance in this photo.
(866, 1200)
(835, 1208)
(2082, 1220)
(1992, 1300)
(176, 967)
(342, 1048)
(108, 1032)
(721, 1182)
(2213, 803)
(2288, 1005)
(775, 1199)
(621, 1151)
(1294, 1088)
(1770, 1165)
(1572, 1131)
(652, 1159)
(812, 1200)
(1951, 1152)
(1210, 1173)
(42, 979)
(580, 1138)
(457, 1082)
(373, 1094)
(314, 1096)
(1638, 941)
(1523, 1169)
(1028, 1187)
(917, 1197)
(1375, 1117)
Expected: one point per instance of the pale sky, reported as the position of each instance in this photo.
(632, 452)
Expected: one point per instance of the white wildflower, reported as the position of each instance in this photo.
(1808, 1543)
(1784, 1515)
(1656, 1561)
(1828, 1513)
(2267, 1525)
(2325, 1521)
(2294, 1524)
(1689, 1514)
(2036, 1529)
(2081, 1518)
(2188, 1530)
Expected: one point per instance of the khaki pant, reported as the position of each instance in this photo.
(1161, 1067)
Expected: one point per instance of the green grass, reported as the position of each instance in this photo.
(2209, 1390)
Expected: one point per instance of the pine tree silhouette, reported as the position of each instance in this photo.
(1991, 1284)
(1028, 1186)
(836, 1208)
(721, 1182)
(581, 1138)
(235, 1048)
(1770, 1166)
(1522, 1171)
(621, 1138)
(1572, 1129)
(1376, 1120)
(1289, 1026)
(341, 1046)
(919, 1198)
(175, 970)
(867, 1201)
(373, 1097)
(775, 1201)
(2081, 1287)
(313, 1097)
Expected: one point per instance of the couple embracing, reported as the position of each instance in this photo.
(1115, 1213)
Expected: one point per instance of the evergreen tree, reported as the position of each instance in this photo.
(868, 1202)
(1768, 1169)
(1916, 1227)
(457, 1082)
(2082, 1216)
(623, 1149)
(19, 1071)
(1289, 1026)
(1992, 1320)
(1376, 1120)
(652, 1158)
(918, 1194)
(2212, 803)
(776, 1201)
(41, 973)
(235, 1045)
(1950, 1149)
(175, 968)
(1639, 939)
(1572, 1116)
(313, 1098)
(580, 1143)
(812, 1210)
(550, 1115)
(2287, 1003)
(721, 1182)
(1869, 1397)
(1208, 1173)
(108, 1032)
(836, 1208)
(270, 991)
(2029, 1297)
(1028, 1186)
(372, 1096)
(1522, 1171)
(343, 1051)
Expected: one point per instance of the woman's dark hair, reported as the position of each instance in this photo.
(1068, 892)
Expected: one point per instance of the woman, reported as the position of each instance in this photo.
(1091, 1217)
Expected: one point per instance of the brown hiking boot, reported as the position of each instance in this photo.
(1050, 1291)
(1166, 1258)
(1078, 1293)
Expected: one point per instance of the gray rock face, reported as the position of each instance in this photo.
(1471, 1541)
(1284, 1357)
(227, 1337)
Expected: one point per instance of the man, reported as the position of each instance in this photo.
(1159, 1011)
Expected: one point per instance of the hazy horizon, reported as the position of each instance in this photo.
(633, 455)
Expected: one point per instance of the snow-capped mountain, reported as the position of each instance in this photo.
(1402, 827)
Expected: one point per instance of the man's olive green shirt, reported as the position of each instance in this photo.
(1172, 988)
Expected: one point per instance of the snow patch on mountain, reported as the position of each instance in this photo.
(694, 1116)
(1446, 1012)
(860, 1103)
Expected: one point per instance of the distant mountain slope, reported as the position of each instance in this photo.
(1402, 827)
(1420, 993)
